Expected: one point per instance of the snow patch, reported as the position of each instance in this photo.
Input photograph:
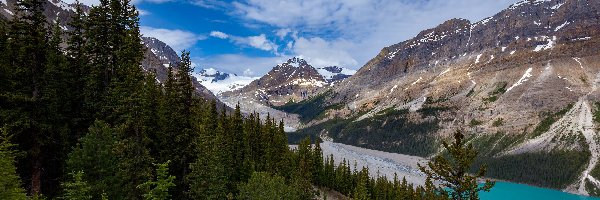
(445, 71)
(578, 61)
(9, 12)
(550, 45)
(478, 57)
(523, 79)
(562, 26)
(557, 6)
(581, 39)
(420, 78)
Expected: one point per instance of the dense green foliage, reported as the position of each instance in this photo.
(311, 108)
(554, 169)
(389, 130)
(10, 182)
(452, 170)
(263, 186)
(77, 188)
(159, 188)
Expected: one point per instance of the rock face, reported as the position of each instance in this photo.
(542, 53)
(501, 75)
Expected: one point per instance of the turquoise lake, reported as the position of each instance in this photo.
(513, 191)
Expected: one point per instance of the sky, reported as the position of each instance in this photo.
(249, 37)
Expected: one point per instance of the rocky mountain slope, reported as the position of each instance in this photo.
(158, 55)
(523, 81)
(292, 81)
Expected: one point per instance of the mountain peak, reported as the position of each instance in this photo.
(295, 62)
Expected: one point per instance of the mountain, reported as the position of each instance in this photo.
(219, 82)
(293, 80)
(523, 83)
(158, 55)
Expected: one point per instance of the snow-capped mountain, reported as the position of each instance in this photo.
(293, 80)
(219, 82)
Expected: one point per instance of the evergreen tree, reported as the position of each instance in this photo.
(77, 188)
(317, 168)
(262, 186)
(453, 171)
(360, 191)
(27, 49)
(159, 189)
(10, 183)
(207, 178)
(95, 155)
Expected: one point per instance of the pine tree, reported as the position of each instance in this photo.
(360, 191)
(262, 185)
(77, 68)
(28, 48)
(77, 188)
(207, 179)
(95, 155)
(317, 161)
(453, 171)
(10, 183)
(159, 189)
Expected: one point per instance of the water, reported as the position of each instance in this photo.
(514, 191)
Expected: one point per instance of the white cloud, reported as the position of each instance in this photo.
(260, 41)
(321, 53)
(177, 39)
(354, 31)
(283, 32)
(219, 34)
(211, 4)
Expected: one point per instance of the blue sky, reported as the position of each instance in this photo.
(251, 36)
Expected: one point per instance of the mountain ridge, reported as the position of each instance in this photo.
(506, 80)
